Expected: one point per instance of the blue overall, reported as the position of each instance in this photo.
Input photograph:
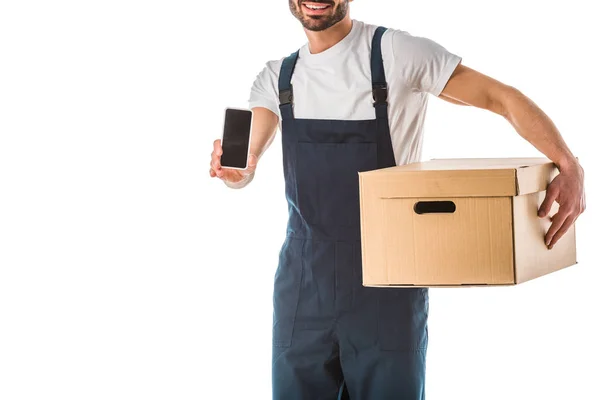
(332, 337)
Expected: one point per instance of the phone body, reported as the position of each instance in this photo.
(237, 132)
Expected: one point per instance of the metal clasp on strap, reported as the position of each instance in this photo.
(286, 96)
(380, 94)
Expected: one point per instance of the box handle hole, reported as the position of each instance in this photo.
(435, 207)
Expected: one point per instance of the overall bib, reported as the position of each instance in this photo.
(332, 337)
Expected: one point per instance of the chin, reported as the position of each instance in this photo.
(316, 24)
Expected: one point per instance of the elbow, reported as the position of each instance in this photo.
(506, 101)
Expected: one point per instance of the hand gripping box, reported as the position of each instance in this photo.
(458, 222)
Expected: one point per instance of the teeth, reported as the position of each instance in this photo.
(316, 7)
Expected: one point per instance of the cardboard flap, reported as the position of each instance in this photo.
(460, 178)
(535, 178)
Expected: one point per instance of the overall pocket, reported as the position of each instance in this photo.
(327, 181)
(286, 293)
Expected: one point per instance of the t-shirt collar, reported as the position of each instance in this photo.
(336, 49)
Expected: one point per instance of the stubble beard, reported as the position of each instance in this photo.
(320, 22)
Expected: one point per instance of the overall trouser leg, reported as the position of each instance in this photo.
(305, 353)
(383, 344)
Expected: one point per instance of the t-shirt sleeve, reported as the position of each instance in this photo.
(424, 65)
(264, 92)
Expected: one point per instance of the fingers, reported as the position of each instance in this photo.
(215, 166)
(557, 222)
(567, 190)
(567, 223)
(217, 147)
(215, 160)
(551, 196)
(252, 161)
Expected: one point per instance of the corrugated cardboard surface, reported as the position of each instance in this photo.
(493, 238)
(532, 258)
(535, 178)
(471, 246)
(467, 183)
(461, 178)
(458, 164)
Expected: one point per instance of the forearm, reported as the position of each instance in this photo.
(264, 127)
(474, 88)
(536, 127)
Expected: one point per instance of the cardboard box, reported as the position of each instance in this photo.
(459, 222)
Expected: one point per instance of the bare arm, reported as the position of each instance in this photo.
(451, 100)
(263, 130)
(264, 127)
(474, 88)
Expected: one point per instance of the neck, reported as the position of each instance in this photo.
(323, 40)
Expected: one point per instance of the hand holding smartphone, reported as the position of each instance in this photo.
(231, 160)
(236, 138)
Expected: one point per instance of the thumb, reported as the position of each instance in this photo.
(252, 161)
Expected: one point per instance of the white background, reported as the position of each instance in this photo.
(127, 273)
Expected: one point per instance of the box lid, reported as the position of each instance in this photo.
(470, 177)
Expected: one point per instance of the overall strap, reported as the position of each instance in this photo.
(380, 90)
(385, 150)
(286, 94)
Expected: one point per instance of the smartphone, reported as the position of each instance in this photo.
(236, 138)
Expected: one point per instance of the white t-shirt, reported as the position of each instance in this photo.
(336, 83)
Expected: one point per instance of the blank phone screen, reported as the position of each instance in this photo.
(236, 138)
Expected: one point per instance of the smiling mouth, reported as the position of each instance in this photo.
(315, 8)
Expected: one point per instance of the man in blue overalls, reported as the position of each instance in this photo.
(353, 99)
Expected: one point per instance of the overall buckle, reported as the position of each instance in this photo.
(380, 94)
(286, 96)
